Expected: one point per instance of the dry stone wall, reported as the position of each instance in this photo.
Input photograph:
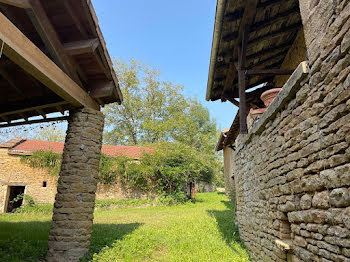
(13, 172)
(292, 174)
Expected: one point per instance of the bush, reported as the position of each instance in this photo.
(165, 172)
(27, 200)
(44, 159)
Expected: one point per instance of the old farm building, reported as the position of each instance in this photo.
(286, 65)
(17, 177)
(54, 58)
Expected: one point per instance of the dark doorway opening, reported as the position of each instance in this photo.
(14, 193)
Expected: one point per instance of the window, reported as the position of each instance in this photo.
(44, 183)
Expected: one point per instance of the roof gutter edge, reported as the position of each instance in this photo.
(219, 17)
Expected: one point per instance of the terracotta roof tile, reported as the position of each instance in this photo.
(57, 147)
(13, 142)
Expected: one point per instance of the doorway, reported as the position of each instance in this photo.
(14, 192)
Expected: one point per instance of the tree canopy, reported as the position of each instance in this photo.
(156, 111)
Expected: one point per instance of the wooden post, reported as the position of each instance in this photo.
(193, 190)
(242, 103)
(241, 82)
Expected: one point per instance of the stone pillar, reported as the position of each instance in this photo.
(72, 219)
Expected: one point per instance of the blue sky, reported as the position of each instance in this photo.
(174, 36)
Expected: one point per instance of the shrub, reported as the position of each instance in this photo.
(44, 159)
(165, 172)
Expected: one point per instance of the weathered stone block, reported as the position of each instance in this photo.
(321, 200)
(339, 197)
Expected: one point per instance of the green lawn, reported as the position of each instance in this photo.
(201, 231)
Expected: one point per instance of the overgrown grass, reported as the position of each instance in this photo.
(201, 231)
(111, 203)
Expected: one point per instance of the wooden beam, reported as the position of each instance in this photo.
(77, 21)
(242, 96)
(36, 121)
(280, 17)
(5, 118)
(41, 112)
(81, 47)
(277, 33)
(100, 89)
(242, 52)
(269, 72)
(51, 40)
(32, 109)
(17, 3)
(23, 116)
(11, 81)
(233, 101)
(60, 109)
(246, 22)
(25, 54)
(271, 50)
(102, 49)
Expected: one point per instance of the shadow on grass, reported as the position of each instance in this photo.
(226, 224)
(27, 241)
(104, 235)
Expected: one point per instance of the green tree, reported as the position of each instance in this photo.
(49, 132)
(156, 111)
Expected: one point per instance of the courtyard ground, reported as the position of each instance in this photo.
(201, 231)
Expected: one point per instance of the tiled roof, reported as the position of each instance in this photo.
(219, 145)
(11, 143)
(29, 146)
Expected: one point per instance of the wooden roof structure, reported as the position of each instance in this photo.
(53, 58)
(228, 136)
(251, 40)
(271, 27)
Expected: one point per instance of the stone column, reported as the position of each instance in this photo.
(72, 219)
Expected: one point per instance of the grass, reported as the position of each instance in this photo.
(201, 231)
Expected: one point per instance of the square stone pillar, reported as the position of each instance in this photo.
(71, 225)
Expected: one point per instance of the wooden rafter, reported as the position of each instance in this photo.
(25, 54)
(246, 22)
(60, 109)
(100, 89)
(36, 121)
(51, 40)
(285, 30)
(81, 47)
(106, 61)
(16, 3)
(41, 112)
(281, 17)
(269, 72)
(16, 112)
(77, 22)
(271, 50)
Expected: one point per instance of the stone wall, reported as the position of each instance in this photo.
(14, 172)
(229, 182)
(292, 171)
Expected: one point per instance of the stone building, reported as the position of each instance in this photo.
(17, 177)
(291, 169)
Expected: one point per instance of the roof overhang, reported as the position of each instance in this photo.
(274, 26)
(54, 58)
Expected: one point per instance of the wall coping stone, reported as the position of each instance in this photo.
(287, 93)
